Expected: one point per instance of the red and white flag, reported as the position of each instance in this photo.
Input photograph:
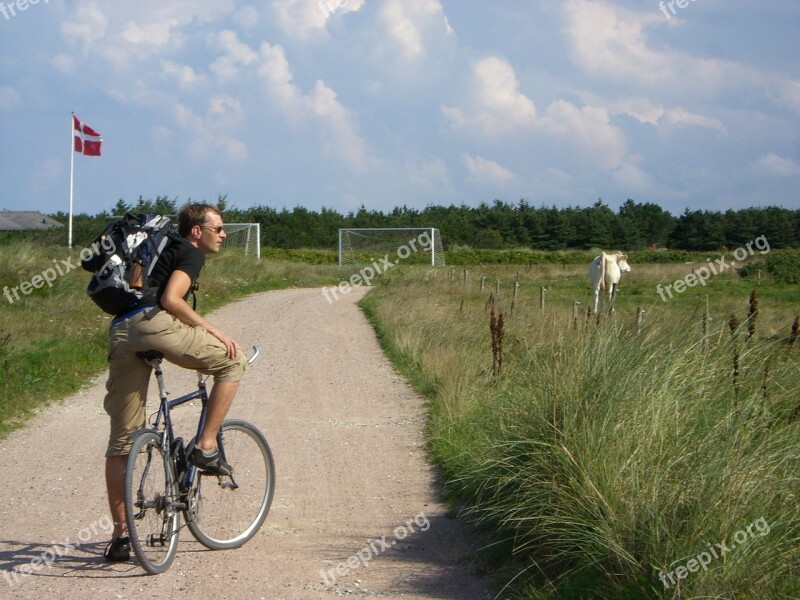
(87, 140)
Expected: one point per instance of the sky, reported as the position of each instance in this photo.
(389, 103)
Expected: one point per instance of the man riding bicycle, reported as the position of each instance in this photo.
(167, 323)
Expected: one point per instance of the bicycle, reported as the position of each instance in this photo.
(221, 512)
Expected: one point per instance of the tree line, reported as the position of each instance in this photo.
(503, 225)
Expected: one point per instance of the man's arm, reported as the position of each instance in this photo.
(173, 302)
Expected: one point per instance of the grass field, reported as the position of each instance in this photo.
(610, 459)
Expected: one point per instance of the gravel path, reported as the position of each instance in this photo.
(347, 435)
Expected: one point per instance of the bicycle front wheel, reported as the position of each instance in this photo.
(151, 509)
(225, 512)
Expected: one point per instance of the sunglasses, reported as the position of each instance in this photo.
(218, 229)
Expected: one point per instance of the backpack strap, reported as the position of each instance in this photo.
(194, 287)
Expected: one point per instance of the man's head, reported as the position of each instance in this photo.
(201, 224)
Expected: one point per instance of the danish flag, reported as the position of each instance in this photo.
(87, 140)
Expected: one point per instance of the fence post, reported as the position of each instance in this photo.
(639, 319)
(483, 282)
(542, 290)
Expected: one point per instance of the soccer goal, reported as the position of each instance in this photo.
(415, 245)
(246, 236)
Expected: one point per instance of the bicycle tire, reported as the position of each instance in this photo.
(150, 494)
(221, 517)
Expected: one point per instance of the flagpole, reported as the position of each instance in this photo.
(71, 171)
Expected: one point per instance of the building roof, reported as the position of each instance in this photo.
(20, 220)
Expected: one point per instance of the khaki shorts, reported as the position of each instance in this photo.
(187, 346)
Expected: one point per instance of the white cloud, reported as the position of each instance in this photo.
(9, 98)
(637, 182)
(304, 18)
(497, 105)
(429, 173)
(789, 94)
(590, 129)
(341, 138)
(88, 26)
(236, 54)
(154, 34)
(499, 94)
(781, 166)
(210, 136)
(184, 75)
(224, 105)
(498, 109)
(484, 170)
(126, 35)
(320, 107)
(681, 116)
(640, 109)
(645, 111)
(633, 179)
(610, 40)
(274, 69)
(406, 23)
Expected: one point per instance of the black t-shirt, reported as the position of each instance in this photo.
(179, 255)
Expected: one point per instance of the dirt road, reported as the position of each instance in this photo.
(347, 435)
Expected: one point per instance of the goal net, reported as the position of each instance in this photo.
(243, 237)
(411, 245)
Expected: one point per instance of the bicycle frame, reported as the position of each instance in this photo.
(166, 405)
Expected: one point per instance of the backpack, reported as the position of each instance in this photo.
(121, 259)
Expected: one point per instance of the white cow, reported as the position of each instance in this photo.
(605, 272)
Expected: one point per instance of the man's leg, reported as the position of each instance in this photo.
(219, 402)
(128, 380)
(115, 484)
(195, 348)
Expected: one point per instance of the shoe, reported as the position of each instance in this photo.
(210, 463)
(118, 549)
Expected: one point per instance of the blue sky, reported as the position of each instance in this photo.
(339, 103)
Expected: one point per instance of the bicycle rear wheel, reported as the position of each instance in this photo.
(151, 493)
(225, 512)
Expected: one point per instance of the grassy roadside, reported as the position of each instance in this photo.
(606, 463)
(53, 340)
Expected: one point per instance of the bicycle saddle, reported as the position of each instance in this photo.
(150, 355)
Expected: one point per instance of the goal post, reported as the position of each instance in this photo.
(246, 236)
(365, 244)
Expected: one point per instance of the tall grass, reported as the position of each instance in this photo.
(601, 458)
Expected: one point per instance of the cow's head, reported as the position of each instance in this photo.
(622, 263)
